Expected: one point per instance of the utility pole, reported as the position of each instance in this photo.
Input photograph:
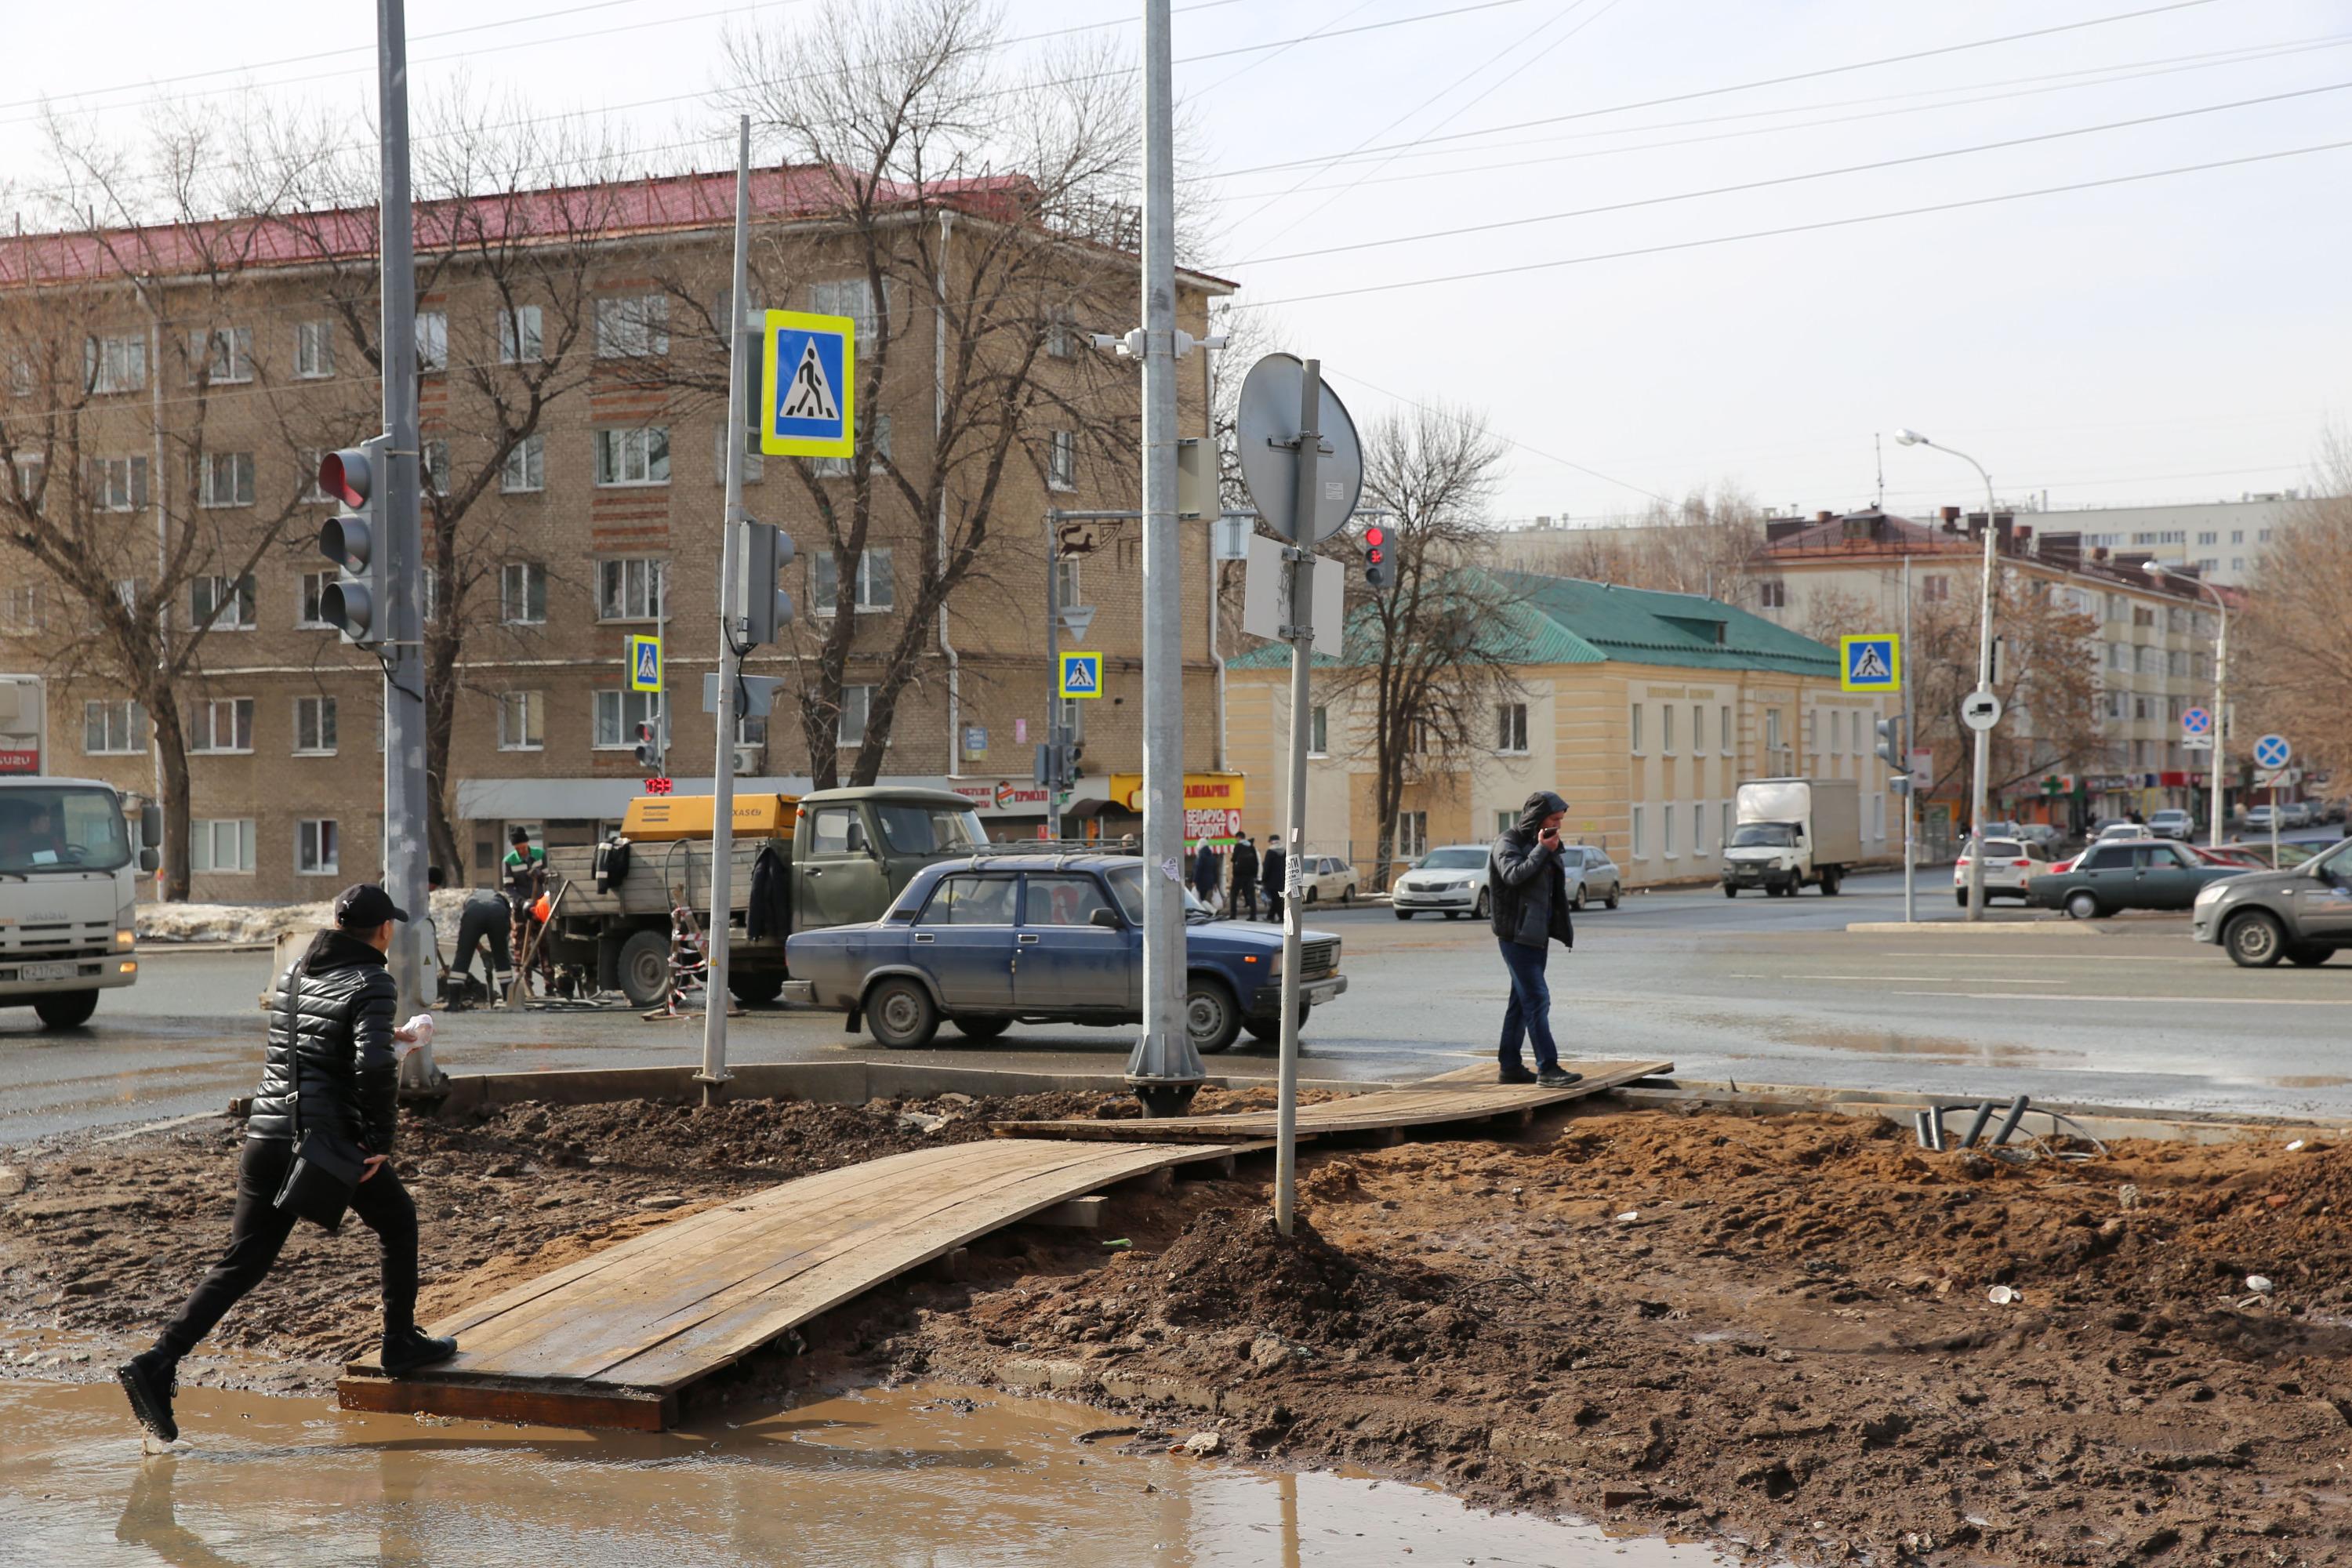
(1164, 1068)
(1051, 773)
(406, 836)
(1910, 792)
(714, 1073)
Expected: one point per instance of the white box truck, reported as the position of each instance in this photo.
(1789, 834)
(69, 874)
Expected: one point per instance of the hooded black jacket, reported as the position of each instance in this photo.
(1526, 888)
(338, 1055)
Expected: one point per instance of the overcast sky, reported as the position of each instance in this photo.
(2182, 338)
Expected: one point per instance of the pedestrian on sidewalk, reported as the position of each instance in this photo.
(1271, 878)
(1528, 891)
(1207, 872)
(329, 1067)
(1242, 905)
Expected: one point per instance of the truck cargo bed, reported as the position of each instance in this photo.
(660, 875)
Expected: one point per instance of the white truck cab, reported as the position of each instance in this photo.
(69, 894)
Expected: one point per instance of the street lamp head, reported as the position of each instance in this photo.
(1911, 439)
(2153, 567)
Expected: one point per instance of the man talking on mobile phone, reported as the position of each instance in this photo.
(1528, 893)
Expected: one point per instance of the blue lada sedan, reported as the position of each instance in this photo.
(1030, 938)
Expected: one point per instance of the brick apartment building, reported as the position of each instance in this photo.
(169, 389)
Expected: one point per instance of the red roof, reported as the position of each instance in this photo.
(656, 204)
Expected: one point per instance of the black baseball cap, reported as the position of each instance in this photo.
(363, 905)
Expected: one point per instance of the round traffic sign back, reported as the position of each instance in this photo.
(2272, 751)
(1266, 437)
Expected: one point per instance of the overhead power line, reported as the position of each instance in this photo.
(1791, 179)
(1522, 446)
(1793, 229)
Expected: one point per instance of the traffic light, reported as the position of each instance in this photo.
(1890, 752)
(649, 753)
(357, 540)
(762, 609)
(1379, 570)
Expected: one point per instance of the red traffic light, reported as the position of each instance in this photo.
(1374, 538)
(1374, 557)
(346, 476)
(658, 787)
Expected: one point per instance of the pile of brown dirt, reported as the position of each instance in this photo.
(1776, 1332)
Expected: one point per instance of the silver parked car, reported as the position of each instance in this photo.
(1592, 875)
(1451, 881)
(1327, 879)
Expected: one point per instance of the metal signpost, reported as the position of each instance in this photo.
(1304, 470)
(1874, 663)
(2272, 755)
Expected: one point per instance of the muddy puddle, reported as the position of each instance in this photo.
(940, 1476)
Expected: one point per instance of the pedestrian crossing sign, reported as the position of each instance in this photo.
(1872, 663)
(809, 381)
(645, 664)
(1082, 675)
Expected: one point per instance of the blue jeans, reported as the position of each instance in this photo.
(1528, 1012)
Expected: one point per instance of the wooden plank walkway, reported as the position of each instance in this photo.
(610, 1339)
(1469, 1095)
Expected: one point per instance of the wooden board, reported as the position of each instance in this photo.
(1470, 1095)
(611, 1339)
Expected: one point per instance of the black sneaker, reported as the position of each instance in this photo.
(405, 1352)
(150, 1381)
(1515, 1074)
(1558, 1078)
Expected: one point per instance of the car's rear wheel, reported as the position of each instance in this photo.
(1348, 894)
(1576, 900)
(1405, 914)
(2309, 957)
(644, 968)
(981, 1028)
(66, 1009)
(1211, 1016)
(901, 1014)
(1961, 897)
(1829, 884)
(1268, 1031)
(1310, 895)
(758, 988)
(1484, 907)
(1729, 891)
(2082, 905)
(2255, 940)
(1616, 892)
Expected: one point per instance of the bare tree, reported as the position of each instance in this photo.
(982, 284)
(2297, 664)
(1428, 659)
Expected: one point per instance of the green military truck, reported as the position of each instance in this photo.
(838, 857)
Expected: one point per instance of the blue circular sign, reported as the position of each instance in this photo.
(2272, 751)
(2197, 721)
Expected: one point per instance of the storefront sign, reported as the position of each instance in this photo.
(1212, 803)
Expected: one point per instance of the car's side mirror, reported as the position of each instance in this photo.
(150, 826)
(1106, 919)
(149, 860)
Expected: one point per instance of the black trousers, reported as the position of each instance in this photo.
(258, 1230)
(1274, 903)
(480, 928)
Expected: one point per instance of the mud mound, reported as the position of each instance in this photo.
(1231, 1269)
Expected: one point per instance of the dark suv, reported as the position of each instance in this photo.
(2302, 915)
(1030, 938)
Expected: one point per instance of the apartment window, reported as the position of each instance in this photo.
(1640, 833)
(1771, 729)
(1878, 817)
(432, 341)
(1505, 820)
(522, 592)
(751, 730)
(2237, 564)
(1062, 461)
(20, 609)
(2263, 537)
(222, 355)
(1837, 733)
(1510, 726)
(1637, 730)
(113, 729)
(220, 844)
(629, 589)
(1698, 730)
(226, 603)
(222, 725)
(314, 350)
(119, 484)
(2237, 536)
(1698, 829)
(1666, 834)
(2208, 537)
(1061, 339)
(840, 467)
(1722, 728)
(314, 587)
(318, 851)
(1411, 835)
(525, 468)
(1772, 593)
(1318, 730)
(2151, 661)
(32, 472)
(522, 720)
(432, 595)
(1725, 835)
(433, 467)
(24, 376)
(2143, 615)
(851, 297)
(314, 726)
(632, 326)
(638, 456)
(2208, 564)
(857, 706)
(115, 365)
(309, 458)
(1665, 729)
(873, 591)
(618, 714)
(519, 337)
(225, 478)
(1065, 592)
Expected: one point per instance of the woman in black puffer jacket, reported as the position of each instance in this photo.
(330, 1064)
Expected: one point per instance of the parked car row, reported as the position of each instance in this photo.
(1451, 882)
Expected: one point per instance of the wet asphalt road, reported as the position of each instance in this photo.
(1759, 991)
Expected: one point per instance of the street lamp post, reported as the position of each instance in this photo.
(2220, 685)
(1976, 807)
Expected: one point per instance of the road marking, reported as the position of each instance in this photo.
(2215, 1001)
(1881, 977)
(2102, 960)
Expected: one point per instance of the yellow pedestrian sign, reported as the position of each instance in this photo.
(1082, 675)
(1871, 663)
(645, 664)
(809, 366)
